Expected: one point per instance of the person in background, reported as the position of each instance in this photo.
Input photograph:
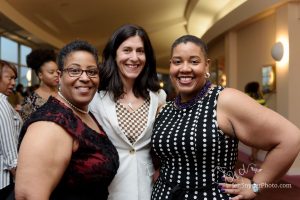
(20, 93)
(20, 96)
(43, 62)
(64, 153)
(10, 126)
(126, 105)
(196, 135)
(253, 90)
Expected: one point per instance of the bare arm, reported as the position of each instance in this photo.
(44, 154)
(260, 127)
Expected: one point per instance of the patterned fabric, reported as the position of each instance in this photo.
(31, 104)
(92, 167)
(10, 126)
(193, 151)
(133, 123)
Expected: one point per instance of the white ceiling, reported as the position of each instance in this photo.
(57, 22)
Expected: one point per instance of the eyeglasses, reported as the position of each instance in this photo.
(77, 72)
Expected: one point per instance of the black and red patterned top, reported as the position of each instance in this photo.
(92, 167)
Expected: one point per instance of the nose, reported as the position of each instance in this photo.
(185, 67)
(84, 76)
(134, 55)
(13, 82)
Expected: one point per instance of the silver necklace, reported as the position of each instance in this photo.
(130, 106)
(70, 104)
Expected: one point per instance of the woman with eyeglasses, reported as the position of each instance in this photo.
(43, 62)
(64, 153)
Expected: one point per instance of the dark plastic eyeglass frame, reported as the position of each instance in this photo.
(82, 70)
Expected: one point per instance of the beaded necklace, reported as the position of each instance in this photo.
(191, 102)
(70, 104)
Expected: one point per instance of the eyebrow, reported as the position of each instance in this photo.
(89, 66)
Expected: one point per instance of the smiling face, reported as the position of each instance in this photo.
(130, 58)
(188, 66)
(79, 90)
(48, 74)
(7, 81)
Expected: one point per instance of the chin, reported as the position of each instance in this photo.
(186, 89)
(8, 93)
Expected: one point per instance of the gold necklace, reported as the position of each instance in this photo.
(70, 104)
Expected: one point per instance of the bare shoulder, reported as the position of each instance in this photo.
(231, 98)
(234, 109)
(229, 94)
(46, 135)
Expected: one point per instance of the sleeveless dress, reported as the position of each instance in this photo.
(193, 152)
(92, 167)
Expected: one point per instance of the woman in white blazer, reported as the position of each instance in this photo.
(126, 105)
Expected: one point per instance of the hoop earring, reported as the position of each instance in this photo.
(207, 75)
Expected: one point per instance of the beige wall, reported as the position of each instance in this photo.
(248, 48)
(253, 49)
(254, 43)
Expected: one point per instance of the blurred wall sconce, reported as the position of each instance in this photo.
(161, 84)
(277, 51)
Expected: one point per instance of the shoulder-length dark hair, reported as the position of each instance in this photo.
(110, 79)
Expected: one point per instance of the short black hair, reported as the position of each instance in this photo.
(38, 57)
(110, 79)
(76, 45)
(190, 38)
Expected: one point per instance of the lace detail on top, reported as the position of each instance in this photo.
(31, 104)
(92, 167)
(133, 123)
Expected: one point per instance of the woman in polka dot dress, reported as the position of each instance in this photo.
(196, 137)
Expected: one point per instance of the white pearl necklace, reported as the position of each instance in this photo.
(70, 104)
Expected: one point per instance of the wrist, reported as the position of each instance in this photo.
(256, 188)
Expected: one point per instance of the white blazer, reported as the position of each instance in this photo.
(133, 180)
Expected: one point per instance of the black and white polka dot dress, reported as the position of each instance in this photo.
(193, 151)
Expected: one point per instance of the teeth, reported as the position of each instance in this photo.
(132, 66)
(185, 78)
(83, 89)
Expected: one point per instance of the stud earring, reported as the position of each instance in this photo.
(207, 75)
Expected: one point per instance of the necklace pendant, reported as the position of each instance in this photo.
(130, 106)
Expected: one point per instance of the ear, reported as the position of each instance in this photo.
(59, 79)
(207, 65)
(40, 75)
(59, 73)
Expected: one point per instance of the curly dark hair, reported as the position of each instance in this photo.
(76, 45)
(38, 57)
(110, 79)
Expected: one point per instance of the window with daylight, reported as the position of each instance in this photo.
(16, 53)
